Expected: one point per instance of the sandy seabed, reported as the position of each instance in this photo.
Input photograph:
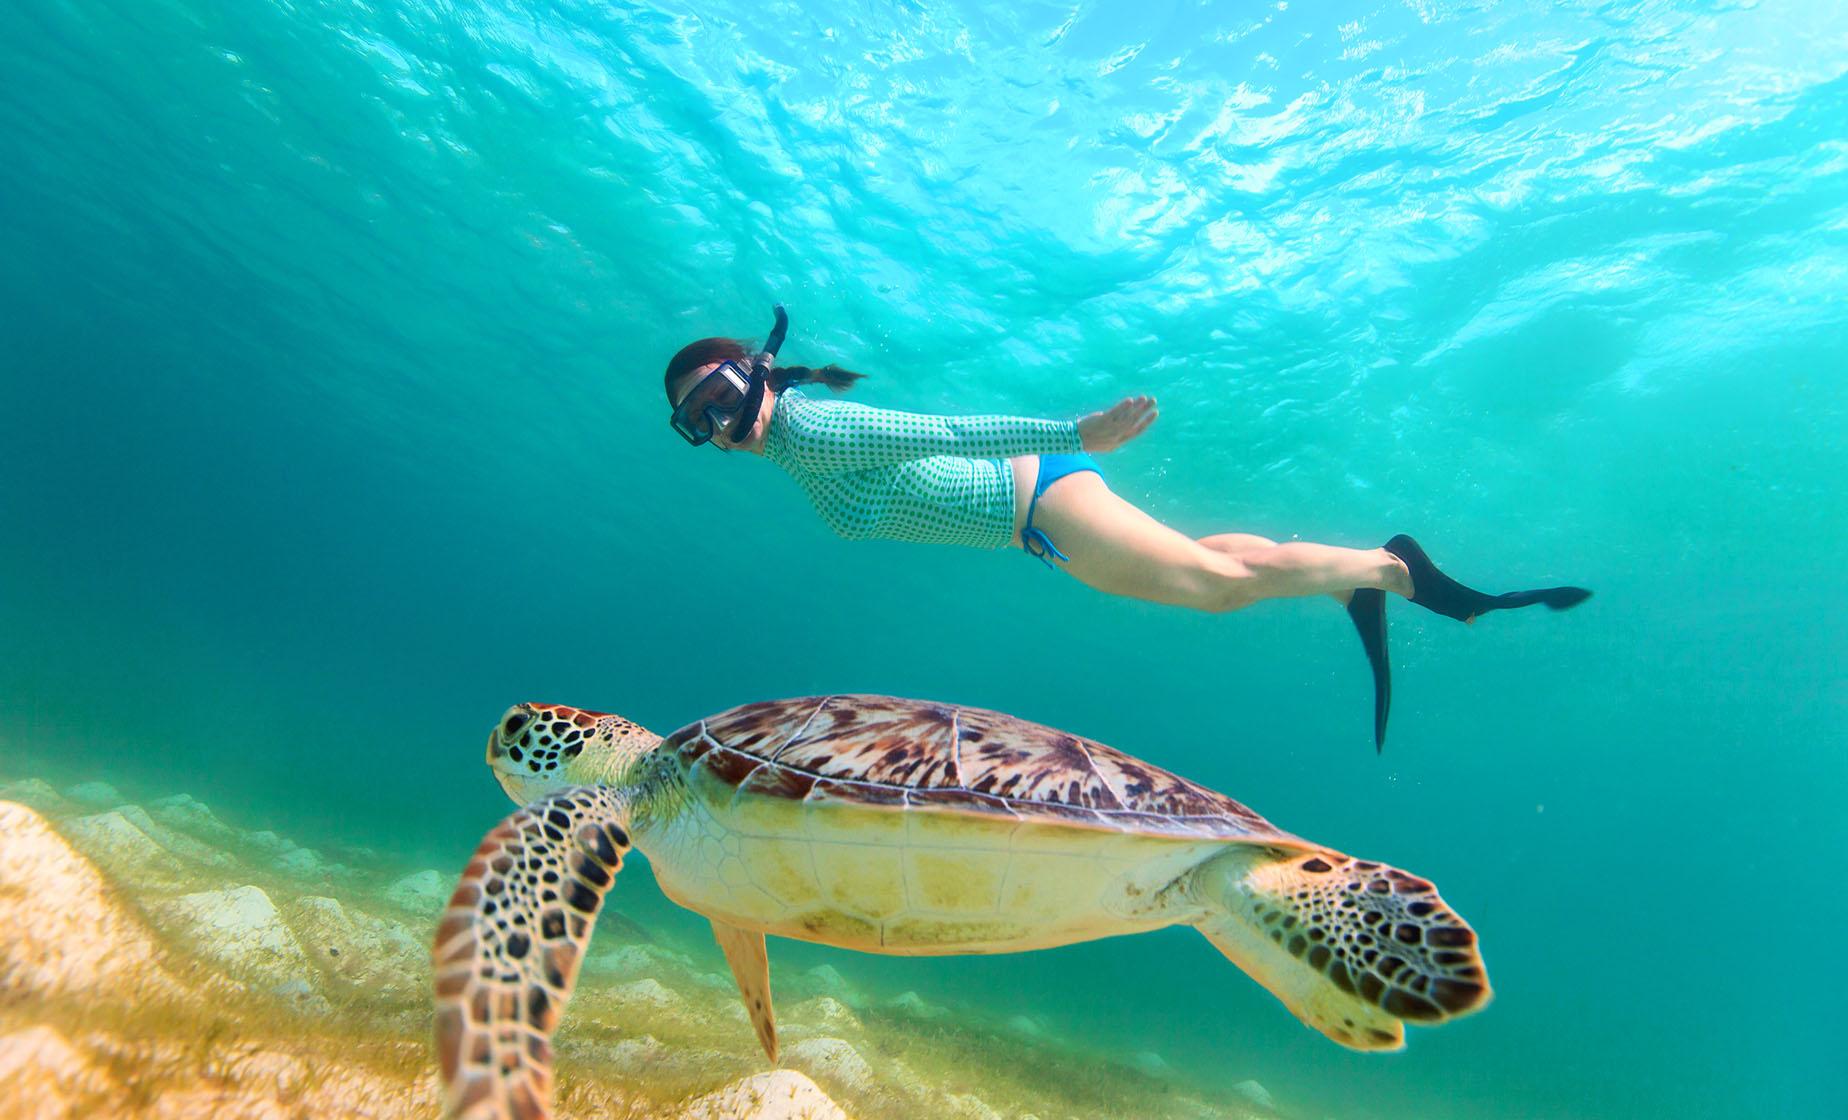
(156, 961)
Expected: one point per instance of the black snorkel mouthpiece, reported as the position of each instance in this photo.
(746, 421)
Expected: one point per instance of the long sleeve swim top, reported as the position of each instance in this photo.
(876, 473)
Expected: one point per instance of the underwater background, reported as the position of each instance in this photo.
(329, 377)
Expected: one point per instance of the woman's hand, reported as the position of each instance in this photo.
(1111, 429)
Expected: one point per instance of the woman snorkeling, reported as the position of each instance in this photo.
(993, 481)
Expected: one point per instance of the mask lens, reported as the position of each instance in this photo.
(710, 404)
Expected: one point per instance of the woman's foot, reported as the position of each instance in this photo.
(1435, 591)
(1398, 575)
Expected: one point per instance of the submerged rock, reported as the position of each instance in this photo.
(130, 843)
(357, 853)
(832, 1059)
(100, 794)
(1151, 1063)
(423, 892)
(638, 1055)
(240, 928)
(360, 951)
(900, 1080)
(823, 1011)
(715, 981)
(914, 1005)
(828, 980)
(36, 793)
(303, 863)
(190, 816)
(732, 1011)
(781, 1094)
(646, 992)
(264, 840)
(121, 847)
(174, 841)
(1255, 1093)
(60, 927)
(42, 1074)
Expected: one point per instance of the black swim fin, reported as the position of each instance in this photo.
(1368, 610)
(1435, 591)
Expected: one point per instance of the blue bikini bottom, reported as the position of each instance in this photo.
(1051, 469)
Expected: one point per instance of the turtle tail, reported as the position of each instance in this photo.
(1353, 948)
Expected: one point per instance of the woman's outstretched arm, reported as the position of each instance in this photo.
(846, 436)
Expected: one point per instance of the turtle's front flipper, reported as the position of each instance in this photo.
(1355, 949)
(508, 949)
(750, 966)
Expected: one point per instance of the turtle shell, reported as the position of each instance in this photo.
(915, 755)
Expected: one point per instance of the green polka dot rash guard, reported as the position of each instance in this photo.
(878, 474)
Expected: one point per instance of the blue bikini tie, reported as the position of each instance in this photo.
(1039, 545)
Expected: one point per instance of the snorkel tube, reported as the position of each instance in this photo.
(746, 421)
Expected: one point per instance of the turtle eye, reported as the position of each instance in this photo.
(512, 724)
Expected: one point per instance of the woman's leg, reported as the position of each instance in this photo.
(1296, 568)
(1117, 548)
(1240, 544)
(1233, 544)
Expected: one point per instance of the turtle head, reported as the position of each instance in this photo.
(538, 748)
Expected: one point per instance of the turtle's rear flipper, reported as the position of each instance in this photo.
(508, 949)
(1369, 949)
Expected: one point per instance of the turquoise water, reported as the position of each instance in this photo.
(329, 372)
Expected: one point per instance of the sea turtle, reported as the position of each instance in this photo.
(905, 827)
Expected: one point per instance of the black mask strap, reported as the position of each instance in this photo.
(746, 422)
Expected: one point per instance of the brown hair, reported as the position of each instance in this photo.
(708, 350)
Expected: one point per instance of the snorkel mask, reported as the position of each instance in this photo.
(728, 399)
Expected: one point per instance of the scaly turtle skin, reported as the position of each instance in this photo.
(899, 826)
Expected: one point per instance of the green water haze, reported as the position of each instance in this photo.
(329, 375)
